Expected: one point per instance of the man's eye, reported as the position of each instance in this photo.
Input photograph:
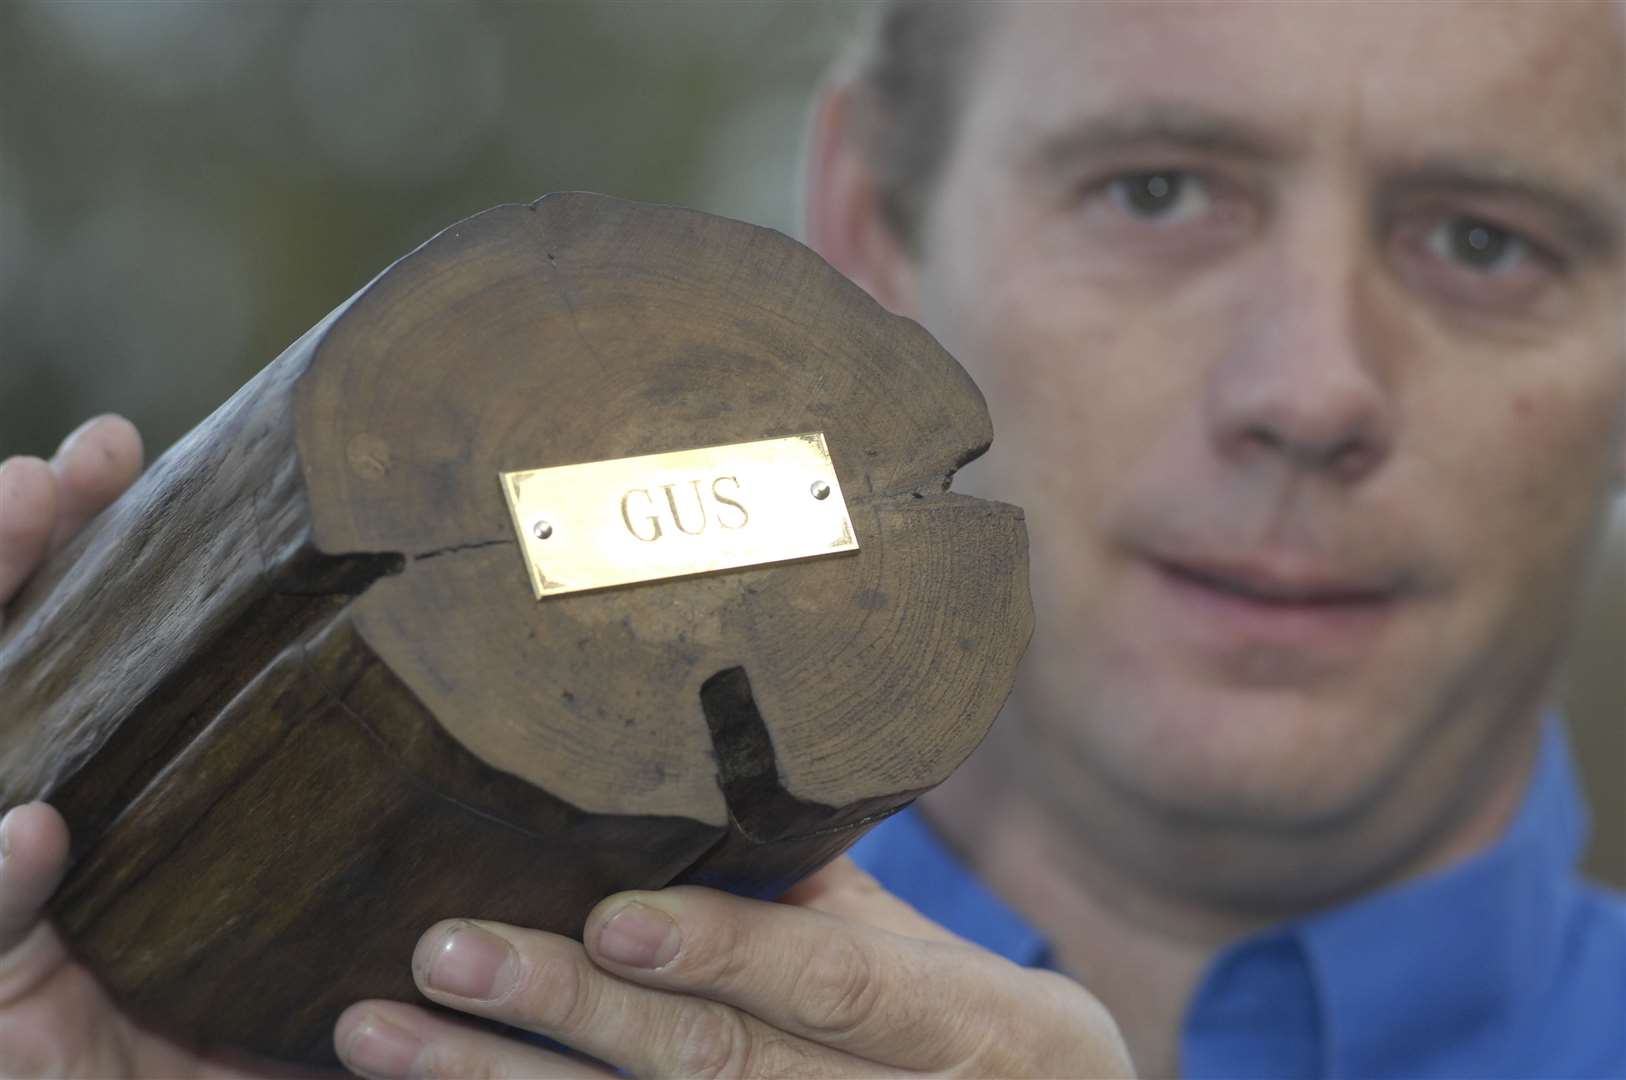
(1163, 197)
(1478, 245)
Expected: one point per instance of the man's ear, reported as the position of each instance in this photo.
(842, 206)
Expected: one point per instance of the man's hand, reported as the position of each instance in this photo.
(839, 979)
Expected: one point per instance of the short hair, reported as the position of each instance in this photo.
(911, 60)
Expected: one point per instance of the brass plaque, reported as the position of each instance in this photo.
(606, 523)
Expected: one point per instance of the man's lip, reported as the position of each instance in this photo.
(1270, 617)
(1282, 581)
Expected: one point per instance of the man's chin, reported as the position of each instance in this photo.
(1262, 762)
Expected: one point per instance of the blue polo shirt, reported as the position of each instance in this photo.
(1506, 965)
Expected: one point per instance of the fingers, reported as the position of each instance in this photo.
(28, 507)
(94, 465)
(42, 505)
(387, 1039)
(546, 983)
(33, 858)
(690, 981)
(945, 1007)
(844, 890)
(828, 980)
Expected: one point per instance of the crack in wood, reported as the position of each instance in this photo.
(747, 767)
(455, 548)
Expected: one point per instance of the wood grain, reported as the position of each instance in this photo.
(298, 702)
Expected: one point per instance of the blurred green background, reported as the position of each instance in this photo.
(186, 187)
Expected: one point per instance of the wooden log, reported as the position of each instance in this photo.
(296, 698)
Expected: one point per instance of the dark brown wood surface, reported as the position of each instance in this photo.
(297, 700)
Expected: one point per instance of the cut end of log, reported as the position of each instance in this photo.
(582, 328)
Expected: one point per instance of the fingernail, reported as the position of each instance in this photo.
(640, 936)
(379, 1048)
(5, 833)
(469, 963)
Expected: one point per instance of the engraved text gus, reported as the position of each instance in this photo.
(685, 507)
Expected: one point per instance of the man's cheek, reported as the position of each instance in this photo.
(1545, 491)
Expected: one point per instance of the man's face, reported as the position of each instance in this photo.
(1302, 332)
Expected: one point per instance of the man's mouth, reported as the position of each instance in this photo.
(1229, 609)
(1281, 586)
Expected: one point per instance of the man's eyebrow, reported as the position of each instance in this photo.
(1184, 127)
(1592, 221)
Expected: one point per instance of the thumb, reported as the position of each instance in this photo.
(33, 858)
(842, 889)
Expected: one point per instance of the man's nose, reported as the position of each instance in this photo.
(1300, 381)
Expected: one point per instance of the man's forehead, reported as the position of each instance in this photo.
(1534, 82)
